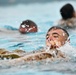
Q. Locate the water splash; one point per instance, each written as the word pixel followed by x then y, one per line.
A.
pixel 68 50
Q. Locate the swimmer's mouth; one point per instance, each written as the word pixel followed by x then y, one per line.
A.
pixel 53 45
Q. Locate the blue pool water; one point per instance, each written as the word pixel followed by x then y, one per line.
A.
pixel 44 15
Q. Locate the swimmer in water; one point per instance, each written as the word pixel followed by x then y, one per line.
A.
pixel 68 15
pixel 55 38
pixel 28 26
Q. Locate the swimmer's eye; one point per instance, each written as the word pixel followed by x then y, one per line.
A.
pixel 55 36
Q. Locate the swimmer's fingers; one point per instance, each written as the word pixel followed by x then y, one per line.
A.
pixel 57 43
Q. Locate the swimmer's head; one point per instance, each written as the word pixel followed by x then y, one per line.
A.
pixel 28 26
pixel 56 37
pixel 67 11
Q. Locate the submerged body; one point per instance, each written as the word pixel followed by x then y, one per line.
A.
pixel 68 15
pixel 67 24
pixel 42 54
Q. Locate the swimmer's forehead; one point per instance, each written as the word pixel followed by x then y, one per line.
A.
pixel 58 31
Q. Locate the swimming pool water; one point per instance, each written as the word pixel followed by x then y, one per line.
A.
pixel 44 15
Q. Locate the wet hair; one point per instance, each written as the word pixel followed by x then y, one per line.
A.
pixel 67 11
pixel 28 22
pixel 56 27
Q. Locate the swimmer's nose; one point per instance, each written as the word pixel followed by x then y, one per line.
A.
pixel 50 39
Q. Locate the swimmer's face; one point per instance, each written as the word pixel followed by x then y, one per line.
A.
pixel 55 38
pixel 27 28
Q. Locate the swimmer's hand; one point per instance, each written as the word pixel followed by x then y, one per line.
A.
pixel 53 44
